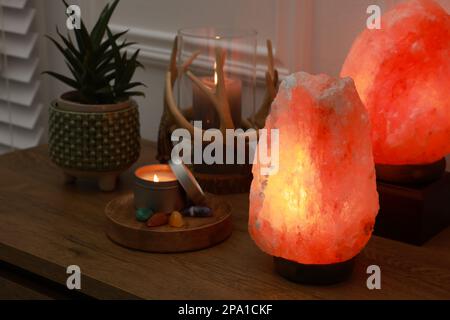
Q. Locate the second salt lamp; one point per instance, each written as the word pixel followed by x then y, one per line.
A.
pixel 317 213
pixel 401 72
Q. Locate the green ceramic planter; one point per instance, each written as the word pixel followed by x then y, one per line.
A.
pixel 98 141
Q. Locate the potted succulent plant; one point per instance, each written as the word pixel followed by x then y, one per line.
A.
pixel 94 129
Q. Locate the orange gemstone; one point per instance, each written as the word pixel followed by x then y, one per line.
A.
pixel 157 220
pixel 176 220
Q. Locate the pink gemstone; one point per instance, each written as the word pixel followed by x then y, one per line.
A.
pixel 402 73
pixel 320 207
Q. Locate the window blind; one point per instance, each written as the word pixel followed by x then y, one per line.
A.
pixel 20 105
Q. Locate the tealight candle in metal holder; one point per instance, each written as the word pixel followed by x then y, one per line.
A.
pixel 157 188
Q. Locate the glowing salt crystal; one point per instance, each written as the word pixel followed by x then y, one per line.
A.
pixel 320 207
pixel 402 74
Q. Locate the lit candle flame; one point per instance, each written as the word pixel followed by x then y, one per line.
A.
pixel 215 74
pixel 155 178
pixel 215 67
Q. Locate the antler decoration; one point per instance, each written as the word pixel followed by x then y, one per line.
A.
pixel 173 117
pixel 167 124
pixel 219 97
pixel 259 119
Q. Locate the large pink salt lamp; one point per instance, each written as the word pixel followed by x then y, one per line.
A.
pixel 402 74
pixel 319 209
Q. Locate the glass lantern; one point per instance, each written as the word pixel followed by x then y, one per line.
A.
pixel 239 48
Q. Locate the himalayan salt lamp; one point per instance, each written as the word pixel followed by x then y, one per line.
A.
pixel 402 73
pixel 317 213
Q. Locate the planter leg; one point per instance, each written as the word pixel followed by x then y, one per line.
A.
pixel 69 179
pixel 107 182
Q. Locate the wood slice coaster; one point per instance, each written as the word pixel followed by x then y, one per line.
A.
pixel 222 184
pixel 198 233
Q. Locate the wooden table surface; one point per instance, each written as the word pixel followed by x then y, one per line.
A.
pixel 46 226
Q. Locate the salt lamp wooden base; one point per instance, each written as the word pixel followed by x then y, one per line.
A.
pixel 327 274
pixel 198 233
pixel 413 214
pixel 411 174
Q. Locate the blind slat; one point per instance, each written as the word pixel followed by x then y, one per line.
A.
pixel 17 21
pixel 22 138
pixel 20 46
pixel 19 93
pixel 20 106
pixel 16 4
pixel 24 117
pixel 21 70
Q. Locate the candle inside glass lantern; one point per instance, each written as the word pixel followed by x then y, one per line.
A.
pixel 204 108
pixel 157 188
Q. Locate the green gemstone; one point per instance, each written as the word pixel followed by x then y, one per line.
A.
pixel 143 214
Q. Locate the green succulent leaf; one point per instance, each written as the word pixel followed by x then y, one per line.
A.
pixel 70 82
pixel 69 44
pixel 98 32
pixel 134 94
pixel 101 69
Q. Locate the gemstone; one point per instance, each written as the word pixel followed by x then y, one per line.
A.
pixel 143 214
pixel 199 212
pixel 176 220
pixel 158 219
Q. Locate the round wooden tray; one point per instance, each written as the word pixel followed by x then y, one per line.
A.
pixel 199 233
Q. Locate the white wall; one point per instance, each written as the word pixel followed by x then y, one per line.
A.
pixel 336 24
pixel 310 35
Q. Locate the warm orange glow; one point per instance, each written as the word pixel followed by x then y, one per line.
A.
pixel 215 74
pixel 156 173
pixel 402 75
pixel 321 206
